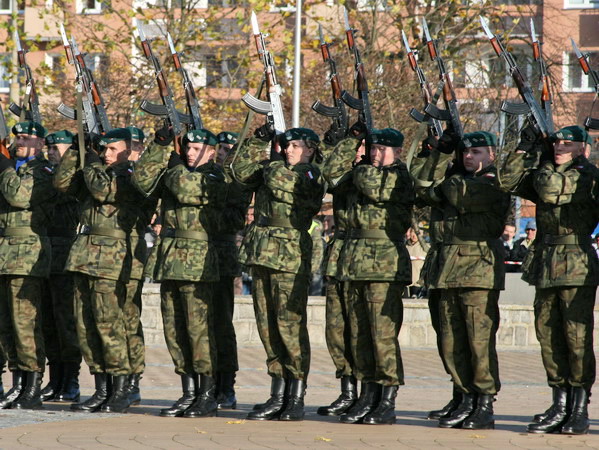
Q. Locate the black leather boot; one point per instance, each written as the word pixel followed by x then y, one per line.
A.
pixel 188 383
pixel 578 423
pixel 205 403
pixel 554 417
pixel 384 413
pixel 370 396
pixel 482 417
pixel 69 391
pixel 447 409
pixel 118 402
pixel 2 364
pixel 18 382
pixel 133 388
pixel 349 395
pixel 226 391
pixel 99 397
pixel 461 413
pixel 55 383
pixel 31 397
pixel 294 408
pixel 274 405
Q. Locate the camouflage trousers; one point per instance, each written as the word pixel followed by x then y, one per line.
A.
pixel 223 302
pixel 135 334
pixel 434 298
pixel 376 315
pixel 564 326
pixel 59 324
pixel 337 331
pixel 101 327
pixel 280 301
pixel 469 320
pixel 188 317
pixel 21 335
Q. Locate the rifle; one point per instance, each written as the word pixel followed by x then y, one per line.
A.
pixel 92 105
pixel 4 133
pixel 338 111
pixel 361 104
pixel 451 113
pixel 174 117
pixel 31 99
pixel 433 124
pixel 583 59
pixel 535 114
pixel 272 109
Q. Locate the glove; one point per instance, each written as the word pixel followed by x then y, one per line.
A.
pixel 175 160
pixel 265 132
pixel 5 163
pixel 430 143
pixel 334 135
pixel 358 130
pixel 92 157
pixel 448 142
pixel 164 136
pixel 530 139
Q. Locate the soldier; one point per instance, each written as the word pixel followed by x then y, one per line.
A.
pixel 231 222
pixel 101 258
pixel 193 192
pixel 26 205
pixel 562 266
pixel 59 325
pixel 289 193
pixel 471 271
pixel 376 263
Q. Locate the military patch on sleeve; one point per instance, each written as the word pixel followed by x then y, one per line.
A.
pixel 489 175
pixel 309 174
pixel 49 169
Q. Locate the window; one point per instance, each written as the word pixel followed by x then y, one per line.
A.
pixel 580 4
pixel 222 72
pixel 575 79
pixel 89 6
pixel 369 5
pixel 55 64
pixel 95 62
pixel 5 6
pixel 4 72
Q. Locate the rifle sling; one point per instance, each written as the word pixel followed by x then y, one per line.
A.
pixel 80 136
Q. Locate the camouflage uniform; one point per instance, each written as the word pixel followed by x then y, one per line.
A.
pixel 470 270
pixel 561 263
pixel 26 204
pixel 186 260
pixel 101 258
pixel 374 260
pixel 278 250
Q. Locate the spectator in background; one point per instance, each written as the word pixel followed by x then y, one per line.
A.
pixel 417 255
pixel 596 243
pixel 521 247
pixel 507 238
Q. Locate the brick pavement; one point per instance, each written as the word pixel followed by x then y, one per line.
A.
pixel 524 393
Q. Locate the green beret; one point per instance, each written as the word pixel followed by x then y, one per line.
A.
pixel 478 139
pixel 295 134
pixel 31 128
pixel 136 134
pixel 201 136
pixel 60 137
pixel 115 135
pixel 571 133
pixel 388 137
pixel 227 137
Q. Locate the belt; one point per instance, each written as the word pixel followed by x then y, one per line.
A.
pixel 19 232
pixel 466 241
pixel 339 234
pixel 274 222
pixel 184 234
pixel 358 233
pixel 568 239
pixel 103 231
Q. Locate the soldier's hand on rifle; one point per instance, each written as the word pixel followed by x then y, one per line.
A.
pixel 91 157
pixel 175 160
pixel 5 163
pixel 448 142
pixel 358 130
pixel 265 132
pixel 530 139
pixel 164 136
pixel 334 135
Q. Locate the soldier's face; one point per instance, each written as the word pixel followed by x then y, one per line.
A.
pixel 565 151
pixel 221 153
pixel 56 152
pixel 116 153
pixel 382 155
pixel 298 152
pixel 477 158
pixel 27 145
pixel 199 153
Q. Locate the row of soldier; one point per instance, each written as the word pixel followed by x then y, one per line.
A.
pixel 202 207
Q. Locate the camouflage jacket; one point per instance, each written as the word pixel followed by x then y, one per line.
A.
pixel 567 212
pixel 379 211
pixel 26 204
pixel 108 239
pixel 287 197
pixel 191 207
pixel 474 214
